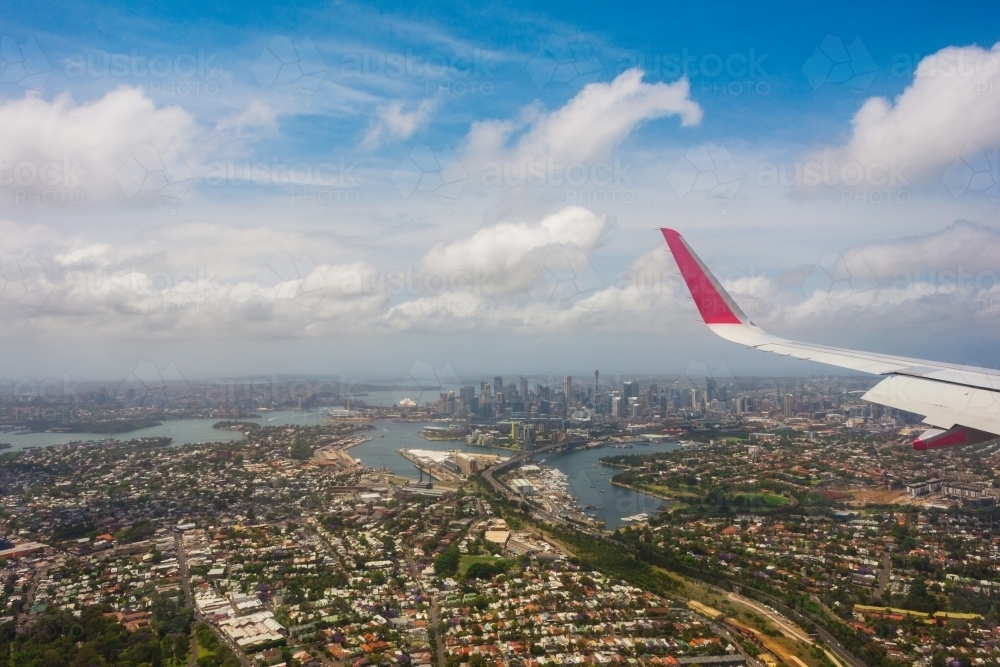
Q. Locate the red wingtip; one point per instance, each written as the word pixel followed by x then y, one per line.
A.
pixel 713 303
pixel 953 437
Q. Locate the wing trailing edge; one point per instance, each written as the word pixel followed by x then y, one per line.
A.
pixel 962 403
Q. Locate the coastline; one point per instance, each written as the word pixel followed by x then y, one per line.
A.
pixel 659 496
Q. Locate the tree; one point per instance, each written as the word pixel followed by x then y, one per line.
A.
pixel 446 564
pixel 301 450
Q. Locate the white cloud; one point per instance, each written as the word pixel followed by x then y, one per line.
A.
pixel 115 146
pixel 392 123
pixel 95 254
pixel 508 256
pixel 937 281
pixel 61 144
pixel 587 127
pixel 200 281
pixel 952 102
pixel 647 298
pixel 244 127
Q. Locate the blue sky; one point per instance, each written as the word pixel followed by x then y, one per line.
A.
pixel 236 189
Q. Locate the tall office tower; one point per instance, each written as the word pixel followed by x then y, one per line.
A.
pixel 484 393
pixel 522 385
pixel 723 394
pixel 788 405
pixel 597 392
pixel 694 399
pixel 629 389
pixel 616 407
pixel 710 388
pixel 497 384
pixel 568 388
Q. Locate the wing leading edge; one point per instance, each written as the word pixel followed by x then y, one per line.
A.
pixel 962 403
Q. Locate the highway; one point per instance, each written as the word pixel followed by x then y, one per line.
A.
pixel 781 621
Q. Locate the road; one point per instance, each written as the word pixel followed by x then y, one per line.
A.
pixel 787 628
pixel 182 570
pixel 503 490
pixel 434 618
pixel 842 653
pixel 883 574
pixel 29 595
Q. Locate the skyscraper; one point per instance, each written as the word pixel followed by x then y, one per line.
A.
pixel 597 391
pixel 523 388
pixel 497 385
pixel 468 396
pixel 629 389
pixel 568 388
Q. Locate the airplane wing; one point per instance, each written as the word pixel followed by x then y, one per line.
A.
pixel 962 403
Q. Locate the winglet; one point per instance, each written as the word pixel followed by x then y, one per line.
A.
pixel 714 304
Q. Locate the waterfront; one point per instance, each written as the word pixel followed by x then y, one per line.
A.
pixel 590 483
pixel 381 452
pixel 183 431
pixel 586 482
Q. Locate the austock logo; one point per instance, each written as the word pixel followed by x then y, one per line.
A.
pixel 424 170
pixel 23 64
pixel 149 170
pixel 284 279
pixel 835 62
pixel 151 386
pixel 423 382
pixel 975 170
pixel 565 277
pixel 709 169
pixel 22 280
pixel 838 282
pixel 58 181
pixel 564 61
pixel 285 63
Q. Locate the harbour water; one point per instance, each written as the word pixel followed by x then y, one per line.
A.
pixel 183 431
pixel 589 481
pixel 380 452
